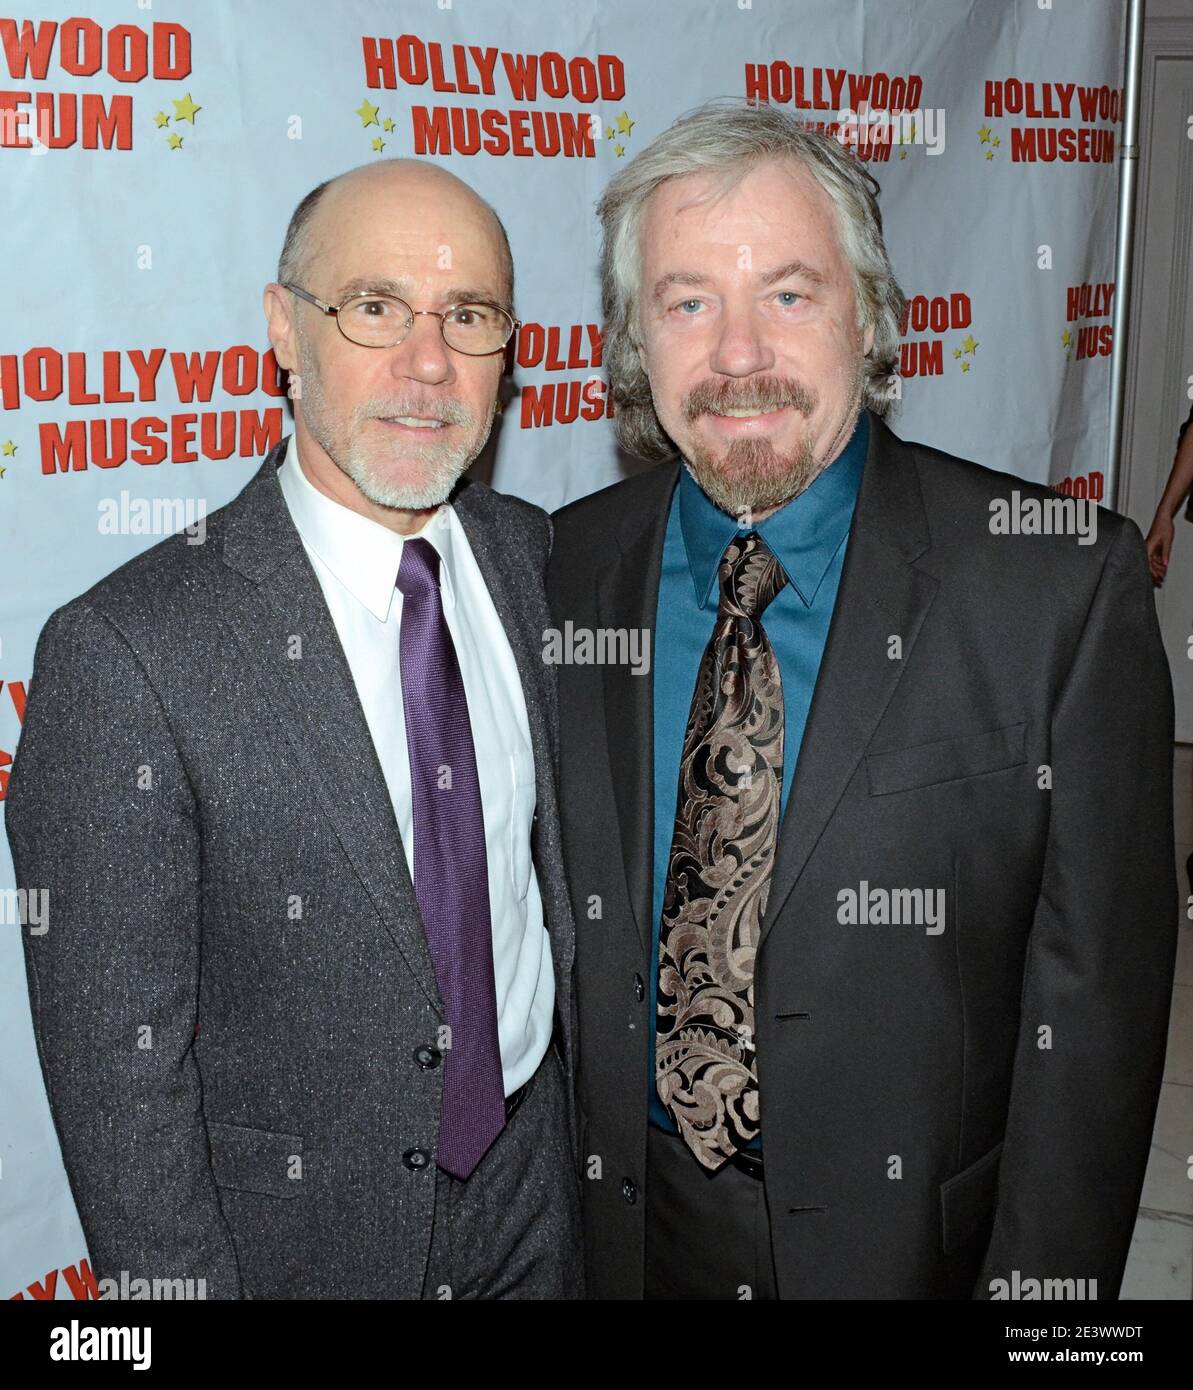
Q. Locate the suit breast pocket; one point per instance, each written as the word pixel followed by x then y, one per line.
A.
pixel 946 760
pixel 255 1160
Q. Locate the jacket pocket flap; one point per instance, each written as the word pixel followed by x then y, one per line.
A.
pixel 967 1198
pixel 254 1160
pixel 946 760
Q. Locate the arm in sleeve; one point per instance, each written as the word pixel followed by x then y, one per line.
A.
pixel 1099 966
pixel 101 816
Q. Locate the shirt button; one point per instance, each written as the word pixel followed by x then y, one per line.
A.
pixel 427 1057
pixel 639 989
pixel 629 1191
pixel 416 1159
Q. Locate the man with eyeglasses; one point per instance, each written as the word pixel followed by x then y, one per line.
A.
pixel 305 1009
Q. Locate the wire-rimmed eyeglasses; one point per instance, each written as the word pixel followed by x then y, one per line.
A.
pixel 373 319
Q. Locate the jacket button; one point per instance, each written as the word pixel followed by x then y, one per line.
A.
pixel 629 1191
pixel 639 989
pixel 416 1159
pixel 427 1057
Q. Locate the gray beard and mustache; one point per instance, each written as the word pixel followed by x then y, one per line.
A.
pixel 750 475
pixel 377 465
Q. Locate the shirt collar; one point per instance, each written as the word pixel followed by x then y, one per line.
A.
pixel 803 535
pixel 363 554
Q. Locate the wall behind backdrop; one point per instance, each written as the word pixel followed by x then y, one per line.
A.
pixel 151 153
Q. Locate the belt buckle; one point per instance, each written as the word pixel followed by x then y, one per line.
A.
pixel 514 1099
pixel 748 1162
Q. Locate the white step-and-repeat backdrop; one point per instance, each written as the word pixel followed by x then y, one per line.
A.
pixel 151 153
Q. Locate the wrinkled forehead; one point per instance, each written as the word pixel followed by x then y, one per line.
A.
pixel 416 224
pixel 767 204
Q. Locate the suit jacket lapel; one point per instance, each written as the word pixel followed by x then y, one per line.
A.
pixel 881 595
pixel 627 597
pixel 319 711
pixel 502 567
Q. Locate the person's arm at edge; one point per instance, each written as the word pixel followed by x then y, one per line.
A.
pixel 1099 967
pixel 101 815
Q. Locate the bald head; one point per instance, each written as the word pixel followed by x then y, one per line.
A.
pixel 387 192
pixel 386 430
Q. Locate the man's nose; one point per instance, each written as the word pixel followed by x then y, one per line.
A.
pixel 422 355
pixel 742 344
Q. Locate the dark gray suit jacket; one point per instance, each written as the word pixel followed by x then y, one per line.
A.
pixel 1016 1148
pixel 185 782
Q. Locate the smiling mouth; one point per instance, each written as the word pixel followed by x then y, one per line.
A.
pixel 747 414
pixel 414 422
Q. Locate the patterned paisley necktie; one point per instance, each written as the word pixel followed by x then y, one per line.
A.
pixel 719 871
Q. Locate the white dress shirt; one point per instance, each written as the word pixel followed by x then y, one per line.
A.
pixel 356 560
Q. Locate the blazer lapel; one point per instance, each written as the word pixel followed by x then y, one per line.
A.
pixel 627 597
pixel 319 711
pixel 500 566
pixel 881 595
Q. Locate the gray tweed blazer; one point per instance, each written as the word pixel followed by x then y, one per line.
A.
pixel 234 981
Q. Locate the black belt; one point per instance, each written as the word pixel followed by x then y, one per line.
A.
pixel 747 1160
pixel 515 1098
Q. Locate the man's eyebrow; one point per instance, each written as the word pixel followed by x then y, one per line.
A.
pixel 793 270
pixel 465 294
pixel 677 277
pixel 790 270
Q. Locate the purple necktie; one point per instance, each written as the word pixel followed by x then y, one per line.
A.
pixel 451 876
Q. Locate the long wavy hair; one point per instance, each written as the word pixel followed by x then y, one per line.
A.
pixel 729 140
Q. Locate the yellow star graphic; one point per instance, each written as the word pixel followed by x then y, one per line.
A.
pixel 378 143
pixel 619 150
pixel 609 132
pixel 161 119
pixel 185 109
pixel 956 352
pixel 1066 338
pixel 965 366
pixel 175 141
pixel 8 448
pixel 624 124
pixel 969 344
pixel 989 154
pixel 984 134
pixel 996 141
pixel 367 114
pixel 387 124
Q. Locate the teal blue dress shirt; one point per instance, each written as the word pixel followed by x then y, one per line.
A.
pixel 807 536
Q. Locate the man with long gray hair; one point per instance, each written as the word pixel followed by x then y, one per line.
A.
pixel 874 870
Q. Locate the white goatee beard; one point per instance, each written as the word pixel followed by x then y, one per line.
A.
pixel 429 491
pixel 361 463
